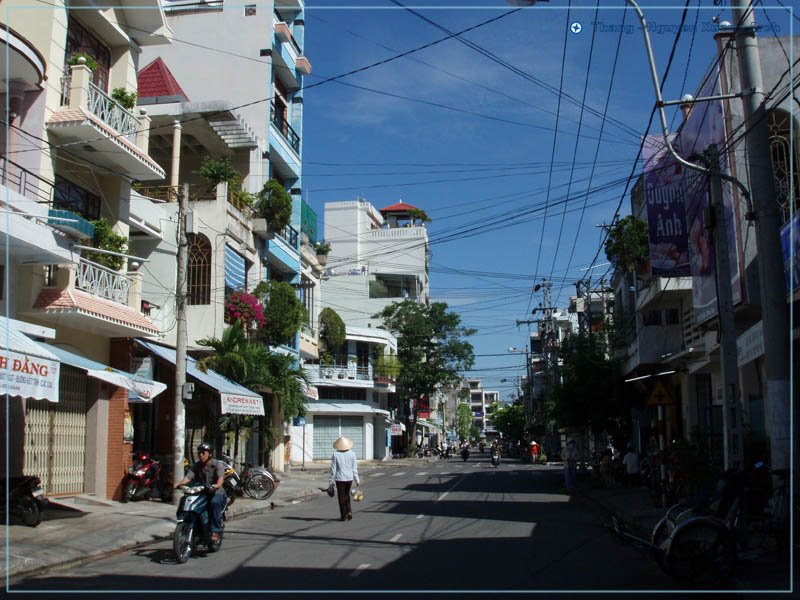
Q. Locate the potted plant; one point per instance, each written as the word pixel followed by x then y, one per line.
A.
pixel 217 170
pixel 326 364
pixel 106 239
pixel 275 205
pixel 124 98
pixel 322 249
pixel 89 61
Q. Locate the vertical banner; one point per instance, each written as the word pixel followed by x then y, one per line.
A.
pixel 790 244
pixel 666 211
pixel 706 126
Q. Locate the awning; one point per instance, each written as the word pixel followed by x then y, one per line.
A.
pixel 235 398
pixel 235 269
pixel 343 407
pixel 27 368
pixel 144 389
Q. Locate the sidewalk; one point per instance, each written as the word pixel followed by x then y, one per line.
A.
pixel 82 528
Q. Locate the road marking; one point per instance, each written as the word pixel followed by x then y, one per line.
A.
pixel 422 474
pixel 360 568
pixel 398 474
pixel 375 474
pixel 476 465
pixel 442 496
pixel 396 537
pixel 420 516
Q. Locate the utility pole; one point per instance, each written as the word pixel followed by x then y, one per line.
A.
pixel 774 312
pixel 733 444
pixel 179 438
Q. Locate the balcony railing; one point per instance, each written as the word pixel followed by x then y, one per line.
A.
pixel 105 108
pixel 290 235
pixel 165 193
pixel 283 126
pixel 102 281
pixel 25 182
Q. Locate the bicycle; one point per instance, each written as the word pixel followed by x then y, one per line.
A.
pixel 258 482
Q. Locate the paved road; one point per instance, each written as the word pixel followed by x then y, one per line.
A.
pixel 450 525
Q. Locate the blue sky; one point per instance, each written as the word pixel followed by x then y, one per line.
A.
pixel 484 145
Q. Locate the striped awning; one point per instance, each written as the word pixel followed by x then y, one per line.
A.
pixel 235 269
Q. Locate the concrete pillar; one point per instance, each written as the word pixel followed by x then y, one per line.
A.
pixel 175 168
pixel 143 135
pixel 79 85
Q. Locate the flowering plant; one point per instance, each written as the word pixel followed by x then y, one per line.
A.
pixel 245 308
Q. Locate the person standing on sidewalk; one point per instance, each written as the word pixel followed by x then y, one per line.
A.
pixel 570 457
pixel 344 470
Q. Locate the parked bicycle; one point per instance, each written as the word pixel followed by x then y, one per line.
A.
pixel 258 482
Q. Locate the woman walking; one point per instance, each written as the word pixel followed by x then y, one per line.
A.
pixel 344 470
pixel 570 457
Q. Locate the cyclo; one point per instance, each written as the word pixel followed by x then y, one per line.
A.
pixel 738 518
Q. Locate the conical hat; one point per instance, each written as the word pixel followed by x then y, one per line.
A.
pixel 343 444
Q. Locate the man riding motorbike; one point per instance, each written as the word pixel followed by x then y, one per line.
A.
pixel 210 472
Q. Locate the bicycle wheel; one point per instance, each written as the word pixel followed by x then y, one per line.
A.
pixel 259 487
pixel 700 553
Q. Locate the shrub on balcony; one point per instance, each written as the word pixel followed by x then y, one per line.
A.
pixel 124 98
pixel 275 205
pixel 90 63
pixel 386 365
pixel 322 248
pixel 217 170
pixel 332 330
pixel 106 239
pixel 286 312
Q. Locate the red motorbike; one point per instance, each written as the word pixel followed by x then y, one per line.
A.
pixel 144 479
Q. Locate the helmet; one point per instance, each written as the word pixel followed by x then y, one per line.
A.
pixel 205 447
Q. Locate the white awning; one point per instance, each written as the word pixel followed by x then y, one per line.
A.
pixel 27 368
pixel 343 407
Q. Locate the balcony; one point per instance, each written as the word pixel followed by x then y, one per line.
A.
pixel 350 375
pixel 92 298
pixel 101 131
pixel 283 127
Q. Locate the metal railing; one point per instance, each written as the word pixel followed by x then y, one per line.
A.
pixel 105 108
pixel 283 126
pixel 25 182
pixel 102 281
pixel 165 193
pixel 290 235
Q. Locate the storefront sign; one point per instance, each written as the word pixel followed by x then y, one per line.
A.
pixel 28 376
pixel 750 345
pixel 242 405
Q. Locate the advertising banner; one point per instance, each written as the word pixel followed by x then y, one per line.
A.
pixel 666 211
pixel 705 126
pixel 28 376
pixel 233 404
pixel 790 245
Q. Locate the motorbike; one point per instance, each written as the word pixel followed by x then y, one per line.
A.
pixel 233 482
pixel 465 453
pixel 194 522
pixel 495 458
pixel 144 479
pixel 26 499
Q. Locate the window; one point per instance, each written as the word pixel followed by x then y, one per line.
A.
pixel 80 39
pixel 249 10
pixel 68 196
pixel 341 393
pixel 780 144
pixel 199 270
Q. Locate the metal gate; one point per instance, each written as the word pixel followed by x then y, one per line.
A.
pixel 55 436
pixel 328 428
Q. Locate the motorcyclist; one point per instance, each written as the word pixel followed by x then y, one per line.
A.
pixel 211 473
pixel 494 450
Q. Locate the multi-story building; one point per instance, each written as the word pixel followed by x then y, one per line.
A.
pixel 353 400
pixel 377 257
pixel 71 145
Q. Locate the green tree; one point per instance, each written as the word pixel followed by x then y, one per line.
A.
pixel 509 420
pixel 463 420
pixel 592 394
pixel 275 205
pixel 627 246
pixel 430 347
pixel 283 310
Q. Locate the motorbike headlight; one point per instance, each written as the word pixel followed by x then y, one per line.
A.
pixel 140 472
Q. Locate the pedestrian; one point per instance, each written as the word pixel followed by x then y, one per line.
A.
pixel 344 470
pixel 534 451
pixel 570 457
pixel 631 462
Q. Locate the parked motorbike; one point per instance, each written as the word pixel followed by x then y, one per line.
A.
pixel 495 458
pixel 465 453
pixel 194 522
pixel 26 499
pixel 233 482
pixel 144 480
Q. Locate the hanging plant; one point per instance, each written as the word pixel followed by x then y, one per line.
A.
pixel 106 239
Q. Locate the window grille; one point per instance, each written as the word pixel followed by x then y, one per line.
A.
pixel 199 270
pixel 780 140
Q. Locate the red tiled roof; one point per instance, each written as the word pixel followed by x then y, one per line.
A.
pixel 156 80
pixel 399 207
pixel 55 300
